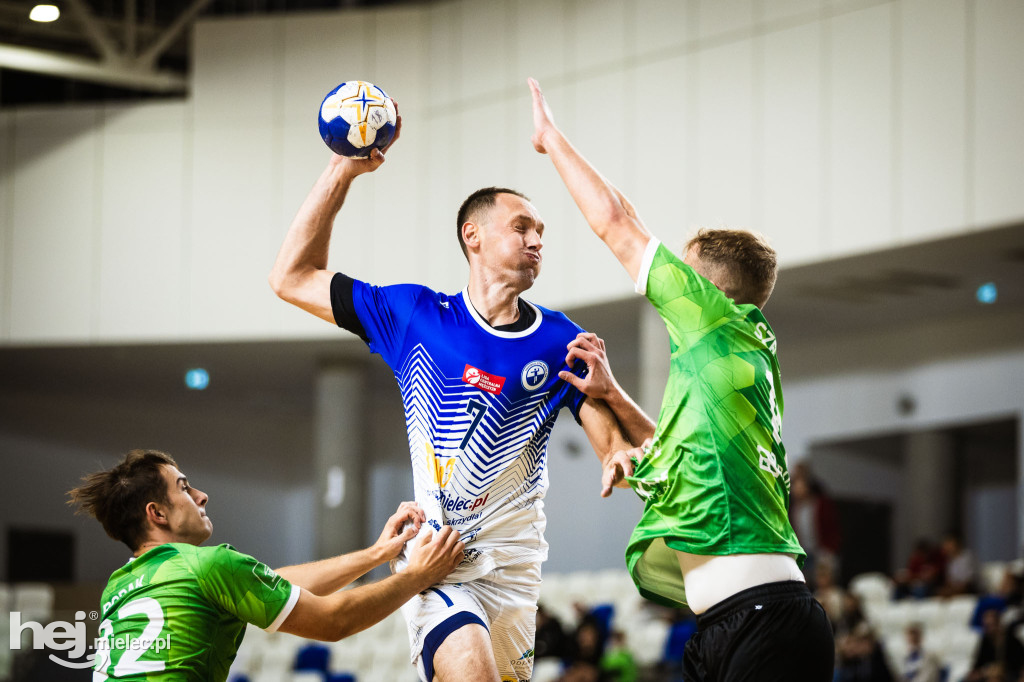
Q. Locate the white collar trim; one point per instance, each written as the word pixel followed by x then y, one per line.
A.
pixel 491 330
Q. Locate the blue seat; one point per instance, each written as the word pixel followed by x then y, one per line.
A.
pixel 315 657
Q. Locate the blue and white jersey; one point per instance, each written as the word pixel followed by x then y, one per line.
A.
pixel 479 407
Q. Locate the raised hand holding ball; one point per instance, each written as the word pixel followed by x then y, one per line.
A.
pixel 357 117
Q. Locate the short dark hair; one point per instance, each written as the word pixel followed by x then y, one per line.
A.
pixel 749 264
pixel 482 199
pixel 117 497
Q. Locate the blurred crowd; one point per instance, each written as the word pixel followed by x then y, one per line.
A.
pixel 592 650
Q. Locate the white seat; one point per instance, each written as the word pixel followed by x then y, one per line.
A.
pixel 991 575
pixel 350 656
pixel 648 642
pixel 892 618
pixel 33 600
pixel 936 638
pixel 895 648
pixel 546 670
pixel 279 651
pixel 872 587
pixel 930 612
pixel 959 670
pixel 961 643
pixel 959 609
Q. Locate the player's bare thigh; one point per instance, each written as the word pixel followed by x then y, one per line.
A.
pixel 466 654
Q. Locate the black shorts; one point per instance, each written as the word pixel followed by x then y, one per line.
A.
pixel 776 631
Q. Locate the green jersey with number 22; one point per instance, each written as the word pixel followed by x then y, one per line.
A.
pixel 179 612
pixel 715 480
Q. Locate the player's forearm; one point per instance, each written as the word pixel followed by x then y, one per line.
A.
pixel 308 241
pixel 330 575
pixel 357 609
pixel 605 208
pixel 633 421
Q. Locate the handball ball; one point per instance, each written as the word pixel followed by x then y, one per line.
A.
pixel 357 117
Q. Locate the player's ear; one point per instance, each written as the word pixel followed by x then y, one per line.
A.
pixel 155 514
pixel 471 234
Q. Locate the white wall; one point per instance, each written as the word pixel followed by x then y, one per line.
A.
pixel 835 126
pixel 258 516
pixel 947 393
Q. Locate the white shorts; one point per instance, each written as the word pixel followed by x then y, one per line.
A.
pixel 504 601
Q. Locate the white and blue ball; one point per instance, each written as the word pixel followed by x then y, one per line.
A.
pixel 357 117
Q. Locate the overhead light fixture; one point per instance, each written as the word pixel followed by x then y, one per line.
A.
pixel 44 13
pixel 987 293
pixel 197 379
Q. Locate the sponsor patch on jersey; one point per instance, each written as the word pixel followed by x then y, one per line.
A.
pixel 454 503
pixel 266 575
pixel 534 375
pixel 482 380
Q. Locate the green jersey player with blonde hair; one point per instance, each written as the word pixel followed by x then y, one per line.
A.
pixel 715 533
pixel 178 611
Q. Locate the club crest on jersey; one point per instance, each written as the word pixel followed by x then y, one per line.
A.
pixel 534 375
pixel 491 383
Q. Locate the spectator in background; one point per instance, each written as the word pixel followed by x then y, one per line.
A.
pixel 851 617
pixel 919 665
pixel 617 664
pixel 550 639
pixel 813 516
pixel 923 574
pixel 1000 655
pixel 831 596
pixel 861 658
pixel 587 648
pixel 961 572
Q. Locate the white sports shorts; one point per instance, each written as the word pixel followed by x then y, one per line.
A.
pixel 504 601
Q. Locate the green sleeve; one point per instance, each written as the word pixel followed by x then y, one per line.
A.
pixel 690 305
pixel 244 587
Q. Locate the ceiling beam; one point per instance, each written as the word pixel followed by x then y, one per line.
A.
pixel 115 74
pixel 183 21
pixel 94 30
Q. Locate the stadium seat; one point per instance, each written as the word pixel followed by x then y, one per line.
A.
pixel 546 670
pixel 930 612
pixel 895 647
pixel 961 644
pixel 990 577
pixel 278 654
pixel 340 677
pixel 648 642
pixel 34 601
pixel 313 657
pixel 960 609
pixel 872 587
pixel 958 671
pixel 305 676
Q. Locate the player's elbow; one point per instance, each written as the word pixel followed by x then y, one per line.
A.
pixel 283 284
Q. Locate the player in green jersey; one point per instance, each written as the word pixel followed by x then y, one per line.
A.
pixel 715 533
pixel 178 611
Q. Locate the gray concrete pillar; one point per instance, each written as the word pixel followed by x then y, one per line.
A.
pixel 338 460
pixel 931 502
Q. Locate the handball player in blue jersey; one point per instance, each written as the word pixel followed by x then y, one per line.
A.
pixel 483 375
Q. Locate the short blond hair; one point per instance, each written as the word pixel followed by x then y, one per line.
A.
pixel 741 263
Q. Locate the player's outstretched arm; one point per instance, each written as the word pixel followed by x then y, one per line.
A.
pixel 345 613
pixel 600 383
pixel 330 575
pixel 609 444
pixel 300 274
pixel 607 211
